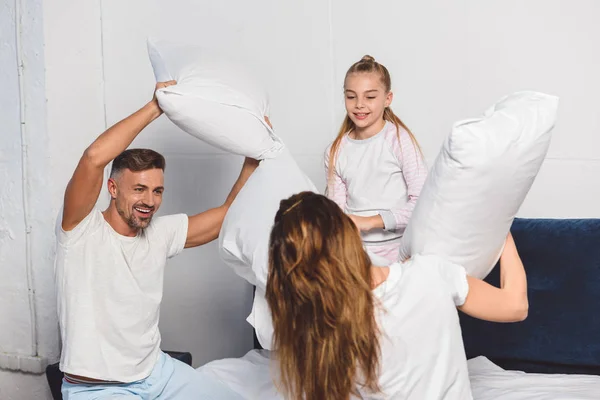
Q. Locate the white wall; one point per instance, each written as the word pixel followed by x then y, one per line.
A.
pixel 449 60
pixel 25 221
pixel 548 46
pixel 12 229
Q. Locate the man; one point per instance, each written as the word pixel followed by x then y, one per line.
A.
pixel 109 272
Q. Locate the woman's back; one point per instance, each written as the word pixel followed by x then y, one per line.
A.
pixel 422 354
pixel 336 337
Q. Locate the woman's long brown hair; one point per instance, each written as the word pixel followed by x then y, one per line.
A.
pixel 319 292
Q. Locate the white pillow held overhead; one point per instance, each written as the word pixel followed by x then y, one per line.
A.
pixel 479 180
pixel 215 99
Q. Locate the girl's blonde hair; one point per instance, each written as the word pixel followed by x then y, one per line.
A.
pixel 367 64
pixel 319 293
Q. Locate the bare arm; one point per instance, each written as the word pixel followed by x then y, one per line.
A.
pixel 365 224
pixel 205 227
pixel 505 304
pixel 85 184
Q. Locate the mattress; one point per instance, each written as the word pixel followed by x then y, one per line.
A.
pixel 251 376
pixel 490 382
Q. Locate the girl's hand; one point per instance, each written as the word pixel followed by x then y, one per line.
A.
pixel 365 224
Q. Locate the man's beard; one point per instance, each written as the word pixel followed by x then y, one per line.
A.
pixel 134 222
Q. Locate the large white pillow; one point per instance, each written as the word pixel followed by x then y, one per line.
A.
pixel 244 236
pixel 479 180
pixel 215 99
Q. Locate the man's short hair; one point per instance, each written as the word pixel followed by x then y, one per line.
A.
pixel 137 160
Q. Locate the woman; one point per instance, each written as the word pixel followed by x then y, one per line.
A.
pixel 345 328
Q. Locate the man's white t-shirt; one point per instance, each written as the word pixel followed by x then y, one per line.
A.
pixel 422 352
pixel 109 290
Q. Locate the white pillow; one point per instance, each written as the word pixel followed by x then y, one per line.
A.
pixel 215 99
pixel 479 180
pixel 244 236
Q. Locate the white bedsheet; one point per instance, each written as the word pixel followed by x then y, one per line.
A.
pixel 251 376
pixel 490 382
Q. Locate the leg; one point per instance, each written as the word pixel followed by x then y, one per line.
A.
pixel 72 391
pixel 184 382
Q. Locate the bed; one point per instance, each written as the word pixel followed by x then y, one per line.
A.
pixel 553 355
pixel 251 375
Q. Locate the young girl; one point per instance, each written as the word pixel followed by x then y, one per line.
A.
pixel 343 327
pixel 375 169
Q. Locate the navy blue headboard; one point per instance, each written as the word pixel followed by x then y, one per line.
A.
pixel 562 332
